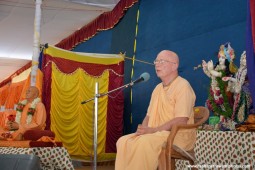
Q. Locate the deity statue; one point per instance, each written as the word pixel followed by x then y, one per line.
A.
pixel 219 99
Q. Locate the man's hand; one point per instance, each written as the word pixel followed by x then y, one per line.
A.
pixel 12 125
pixel 204 64
pixel 210 65
pixel 141 130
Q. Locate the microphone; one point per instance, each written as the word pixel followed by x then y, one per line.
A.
pixel 143 77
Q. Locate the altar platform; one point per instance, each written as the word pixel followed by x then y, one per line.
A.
pixel 223 150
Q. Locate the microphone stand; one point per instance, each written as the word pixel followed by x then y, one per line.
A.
pixel 103 94
pixel 95 125
pixel 95 98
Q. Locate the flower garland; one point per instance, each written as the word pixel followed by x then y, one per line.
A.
pixel 30 111
pixel 221 107
pixel 241 110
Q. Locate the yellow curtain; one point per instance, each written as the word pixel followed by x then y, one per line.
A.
pixel 71 121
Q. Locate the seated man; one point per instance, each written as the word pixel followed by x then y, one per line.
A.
pixel 30 115
pixel 172 103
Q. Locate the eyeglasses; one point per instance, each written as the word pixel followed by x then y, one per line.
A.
pixel 161 61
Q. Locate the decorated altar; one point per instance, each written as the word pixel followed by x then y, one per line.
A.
pixel 228 142
pixel 229 97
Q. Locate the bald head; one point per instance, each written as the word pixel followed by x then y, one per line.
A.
pixel 166 65
pixel 32 93
pixel 170 55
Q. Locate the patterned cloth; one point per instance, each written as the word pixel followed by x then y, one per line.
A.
pixel 50 157
pixel 223 150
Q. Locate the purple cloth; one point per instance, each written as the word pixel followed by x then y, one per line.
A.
pixel 250 56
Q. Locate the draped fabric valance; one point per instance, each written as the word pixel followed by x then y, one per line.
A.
pixel 69 79
pixel 105 21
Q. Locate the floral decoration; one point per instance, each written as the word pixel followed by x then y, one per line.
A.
pixel 30 111
pixel 218 101
pixel 21 106
pixel 11 118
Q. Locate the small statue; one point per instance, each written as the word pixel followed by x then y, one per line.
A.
pixel 218 99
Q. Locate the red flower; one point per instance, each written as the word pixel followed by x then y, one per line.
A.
pixel 6 135
pixel 31 111
pixel 217 91
pixel 20 107
pixel 11 118
pixel 209 105
pixel 219 101
pixel 211 91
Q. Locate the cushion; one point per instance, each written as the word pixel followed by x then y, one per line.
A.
pixel 34 135
pixel 45 144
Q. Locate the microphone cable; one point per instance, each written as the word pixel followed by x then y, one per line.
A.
pixel 141 61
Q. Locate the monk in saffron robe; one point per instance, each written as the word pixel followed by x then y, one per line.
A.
pixel 172 103
pixel 31 115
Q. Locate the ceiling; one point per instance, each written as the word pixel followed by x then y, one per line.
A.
pixel 59 19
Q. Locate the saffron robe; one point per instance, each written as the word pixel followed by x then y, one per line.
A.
pixel 141 152
pixel 38 120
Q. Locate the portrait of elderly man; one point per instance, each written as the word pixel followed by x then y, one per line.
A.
pixel 30 115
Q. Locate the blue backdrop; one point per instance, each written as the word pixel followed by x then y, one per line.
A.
pixel 194 29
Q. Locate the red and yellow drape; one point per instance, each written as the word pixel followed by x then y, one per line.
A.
pixel 69 79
